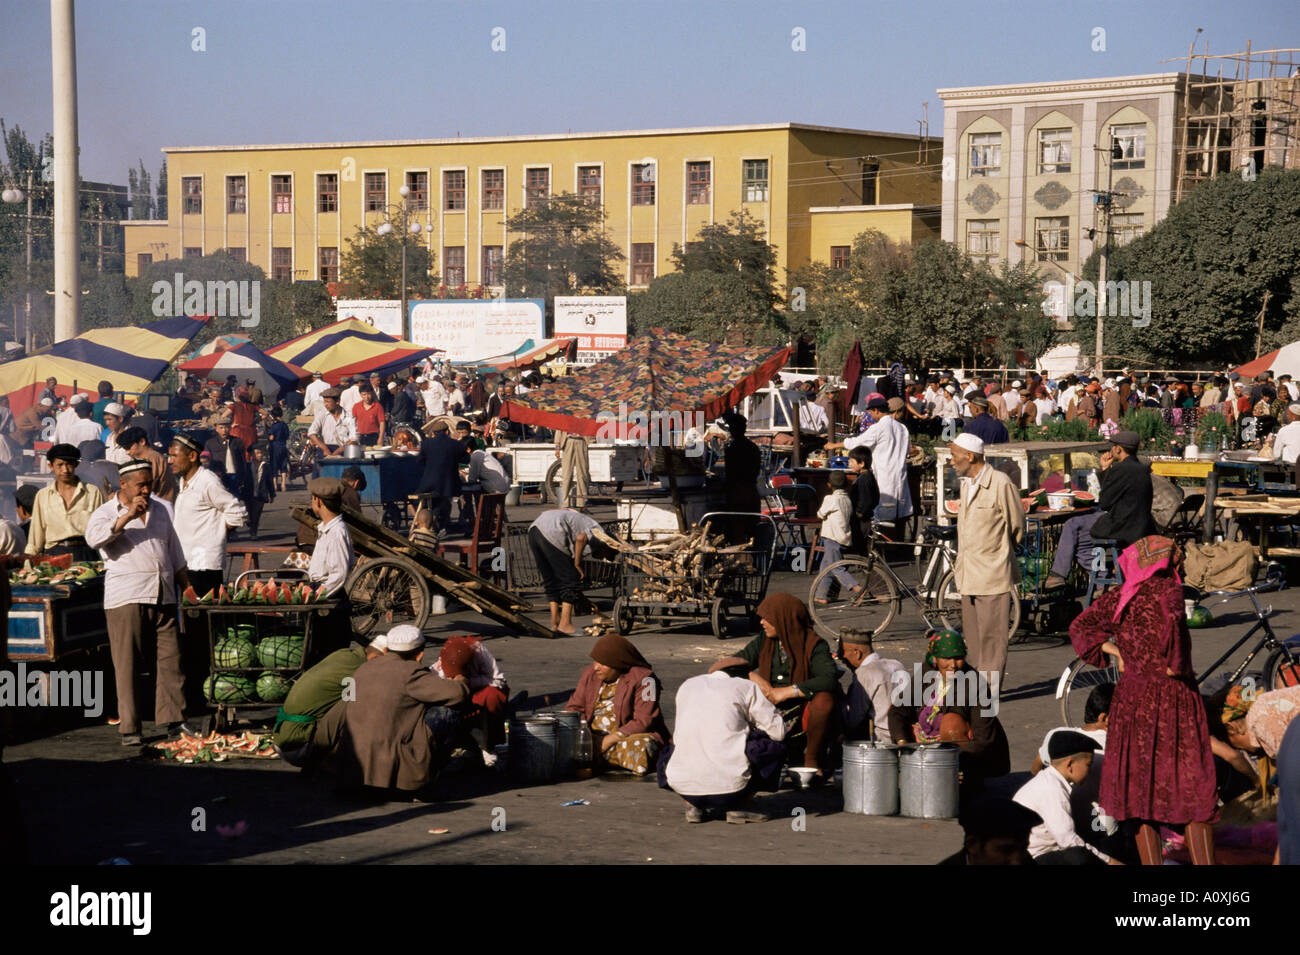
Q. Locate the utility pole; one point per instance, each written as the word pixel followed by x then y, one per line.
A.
pixel 27 303
pixel 100 222
pixel 1259 336
pixel 1105 200
pixel 67 230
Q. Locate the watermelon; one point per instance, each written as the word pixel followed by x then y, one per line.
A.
pixel 272 687
pixel 302 594
pixel 189 597
pixel 234 653
pixel 952 507
pixel 208 597
pixel 1199 617
pixel 321 593
pixel 1084 497
pixel 281 651
pixel 286 594
pixel 241 596
pixel 229 688
pixel 222 596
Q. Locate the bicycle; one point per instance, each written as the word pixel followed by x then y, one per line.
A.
pixel 875 591
pixel 1281 667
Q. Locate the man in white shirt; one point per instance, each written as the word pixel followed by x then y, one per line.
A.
pixel 143 567
pixel 1011 398
pixel 1055 841
pixel 435 398
pixel 890 445
pixel 84 427
pixel 332 559
pixel 114 416
pixel 350 395
pixel 1286 443
pixel 873 688
pixel 314 390
pixel 812 417
pixel 726 745
pixel 332 428
pixel 65 419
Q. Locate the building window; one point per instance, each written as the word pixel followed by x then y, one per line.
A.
pixel 699 179
pixel 537 188
pixel 984 240
pixel 870 183
pixel 193 252
pixel 493 256
pixel 839 256
pixel 417 191
pixel 985 154
pixel 1125 227
pixel 643 263
pixel 1132 141
pixel 494 189
pixel 192 193
pixel 754 173
pixel 142 261
pixel 1054 150
pixel 453 271
pixel 327 192
pixel 236 195
pixel 376 191
pixel 282 195
pixel 1052 238
pixel 643 184
pixel 282 264
pixel 453 190
pixel 329 265
pixel 238 252
pixel 589 183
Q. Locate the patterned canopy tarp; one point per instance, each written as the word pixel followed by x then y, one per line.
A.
pixel 244 362
pixel 350 347
pixel 659 373
pixel 527 355
pixel 220 343
pixel 131 357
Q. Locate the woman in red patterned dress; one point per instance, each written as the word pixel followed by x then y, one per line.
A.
pixel 1158 768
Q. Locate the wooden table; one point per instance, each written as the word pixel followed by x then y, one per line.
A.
pixel 1263 512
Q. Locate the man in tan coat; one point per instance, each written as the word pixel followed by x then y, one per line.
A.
pixel 990 523
pixel 387 739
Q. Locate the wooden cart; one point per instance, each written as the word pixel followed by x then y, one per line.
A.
pixel 395 583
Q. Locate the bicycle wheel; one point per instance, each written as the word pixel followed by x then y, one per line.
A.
pixel 1076 683
pixel 869 604
pixel 1281 671
pixel 947 606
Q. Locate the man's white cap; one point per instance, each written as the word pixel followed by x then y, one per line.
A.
pixel 950 389
pixel 1017 384
pixel 421 380
pixel 405 637
pixel 1294 408
pixel 76 399
pixel 380 642
pixel 47 403
pixel 392 386
pixel 115 409
pixel 970 442
pixel 1109 383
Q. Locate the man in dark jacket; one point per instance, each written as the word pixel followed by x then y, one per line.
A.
pixel 440 459
pixel 1125 509
pixel 983 425
pixel 403 411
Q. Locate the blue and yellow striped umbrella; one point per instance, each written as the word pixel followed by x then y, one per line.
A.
pixel 131 357
pixel 350 347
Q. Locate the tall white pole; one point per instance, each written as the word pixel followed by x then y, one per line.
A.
pixel 67 227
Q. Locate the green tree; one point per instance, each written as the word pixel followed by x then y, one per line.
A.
pixel 559 247
pixel 160 206
pixel 1016 314
pixel 711 306
pixel 371 267
pixel 738 246
pixel 140 189
pixel 1210 262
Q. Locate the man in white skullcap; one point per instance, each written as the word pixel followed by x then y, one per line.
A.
pixel 1286 443
pixel 397 729
pixel 990 524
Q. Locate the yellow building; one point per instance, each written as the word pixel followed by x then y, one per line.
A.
pixel 291 208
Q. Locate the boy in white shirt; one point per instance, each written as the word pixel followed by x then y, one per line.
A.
pixel 836 515
pixel 1055 841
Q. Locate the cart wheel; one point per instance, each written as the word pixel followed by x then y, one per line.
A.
pixel 551 485
pixel 386 592
pixel 718 618
pixel 623 618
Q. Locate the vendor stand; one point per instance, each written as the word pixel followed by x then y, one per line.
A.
pixel 50 622
pixel 392 476
pixel 615 463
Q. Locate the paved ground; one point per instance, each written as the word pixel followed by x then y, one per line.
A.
pixel 85 800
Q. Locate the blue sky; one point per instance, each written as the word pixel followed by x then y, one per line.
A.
pixel 279 71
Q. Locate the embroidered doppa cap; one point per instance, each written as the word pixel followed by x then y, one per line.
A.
pixel 405 637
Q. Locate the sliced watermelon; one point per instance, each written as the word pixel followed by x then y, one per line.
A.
pixel 241 596
pixel 286 594
pixel 952 507
pixel 1085 496
pixel 321 593
pixel 222 596
pixel 259 593
pixel 209 597
pixel 189 597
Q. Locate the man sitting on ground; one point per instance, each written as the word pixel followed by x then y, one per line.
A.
pixel 483 716
pixel 866 705
pixel 1055 840
pixel 310 721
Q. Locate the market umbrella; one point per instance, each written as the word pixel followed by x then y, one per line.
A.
pixel 1283 361
pixel 350 347
pixel 527 355
pixel 220 343
pixel 244 362
pixel 131 357
pixel 660 374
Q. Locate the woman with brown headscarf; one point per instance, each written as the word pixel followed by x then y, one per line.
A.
pixel 794 668
pixel 618 696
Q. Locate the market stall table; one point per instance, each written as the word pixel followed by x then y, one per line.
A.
pixel 1262 513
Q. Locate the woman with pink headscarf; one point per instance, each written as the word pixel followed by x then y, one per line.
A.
pixel 1159 768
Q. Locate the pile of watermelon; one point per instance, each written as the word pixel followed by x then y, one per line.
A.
pixel 268 592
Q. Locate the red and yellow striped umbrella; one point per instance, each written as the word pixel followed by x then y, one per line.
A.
pixel 350 347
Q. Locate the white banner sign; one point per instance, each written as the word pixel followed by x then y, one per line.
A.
pixel 599 323
pixel 384 314
pixel 471 329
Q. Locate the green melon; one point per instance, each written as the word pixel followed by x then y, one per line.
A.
pixel 281 651
pixel 234 653
pixel 272 687
pixel 228 688
pixel 1199 617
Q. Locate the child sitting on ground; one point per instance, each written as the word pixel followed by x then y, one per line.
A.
pixel 836 514
pixel 1056 841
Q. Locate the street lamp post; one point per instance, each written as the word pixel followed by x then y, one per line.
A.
pixel 408 229
pixel 1105 200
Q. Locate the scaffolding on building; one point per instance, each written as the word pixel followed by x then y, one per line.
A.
pixel 1240 113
